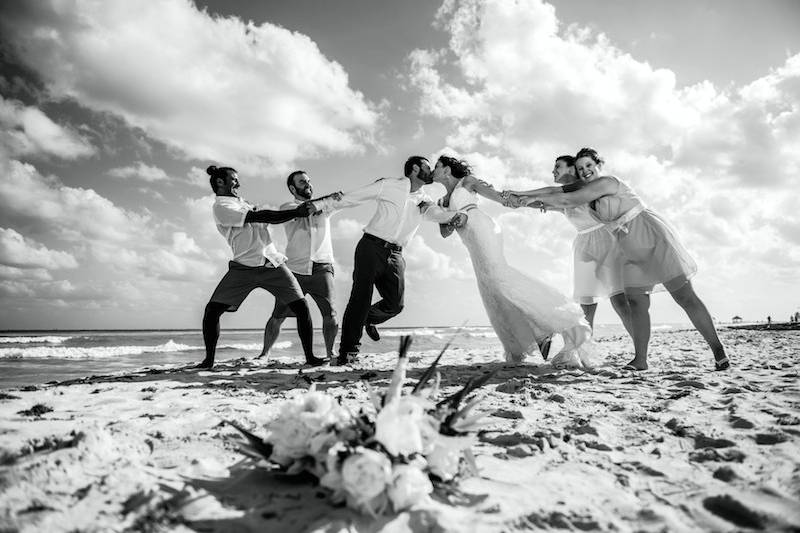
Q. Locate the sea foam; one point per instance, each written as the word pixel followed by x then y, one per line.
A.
pixel 45 339
pixel 106 352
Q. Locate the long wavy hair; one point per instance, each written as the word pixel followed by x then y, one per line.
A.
pixel 458 167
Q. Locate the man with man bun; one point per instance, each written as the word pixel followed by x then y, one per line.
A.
pixel 256 263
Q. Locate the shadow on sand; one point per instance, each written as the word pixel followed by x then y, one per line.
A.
pixel 276 377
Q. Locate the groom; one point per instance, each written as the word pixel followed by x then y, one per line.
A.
pixel 378 262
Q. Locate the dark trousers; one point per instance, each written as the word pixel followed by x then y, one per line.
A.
pixel 383 268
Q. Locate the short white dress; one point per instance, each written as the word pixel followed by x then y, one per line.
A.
pixel 651 254
pixel 596 259
pixel 522 310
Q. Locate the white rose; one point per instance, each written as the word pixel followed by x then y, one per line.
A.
pixel 290 440
pixel 332 478
pixel 365 474
pixel 293 433
pixel 410 486
pixel 398 425
pixel 319 410
pixel 445 457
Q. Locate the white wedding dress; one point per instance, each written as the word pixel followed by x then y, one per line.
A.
pixel 523 310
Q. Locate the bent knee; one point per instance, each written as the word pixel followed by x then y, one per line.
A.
pixel 685 298
pixel 638 301
pixel 215 309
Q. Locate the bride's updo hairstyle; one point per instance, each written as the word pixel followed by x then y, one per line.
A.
pixel 214 173
pixel 458 168
pixel 592 153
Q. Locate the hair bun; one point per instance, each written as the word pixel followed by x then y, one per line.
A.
pixel 211 170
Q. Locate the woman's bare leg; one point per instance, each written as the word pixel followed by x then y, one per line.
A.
pixel 639 305
pixel 700 317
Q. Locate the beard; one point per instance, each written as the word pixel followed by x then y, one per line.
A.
pixel 427 179
pixel 306 193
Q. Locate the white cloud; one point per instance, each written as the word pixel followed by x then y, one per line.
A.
pixel 140 171
pixel 15 273
pixel 347 228
pixel 424 262
pixel 17 251
pixel 198 177
pixel 514 82
pixel 216 88
pixel 162 260
pixel 36 205
pixel 26 130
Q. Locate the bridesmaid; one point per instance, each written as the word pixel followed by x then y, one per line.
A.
pixel 596 272
pixel 651 253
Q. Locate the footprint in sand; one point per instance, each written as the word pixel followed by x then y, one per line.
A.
pixel 703 441
pixel 690 383
pixel 506 413
pixel 725 473
pixel 711 454
pixel 771 438
pixel 787 420
pixel 731 390
pixel 741 423
pixel 557 520
pixel 733 511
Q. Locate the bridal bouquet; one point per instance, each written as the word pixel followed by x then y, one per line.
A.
pixel 388 455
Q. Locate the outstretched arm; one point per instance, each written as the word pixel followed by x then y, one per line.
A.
pixel 268 216
pixel 537 192
pixel 591 191
pixel 485 189
pixel 339 200
pixel 569 187
pixel 328 204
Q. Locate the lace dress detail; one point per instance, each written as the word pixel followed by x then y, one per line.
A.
pixel 522 309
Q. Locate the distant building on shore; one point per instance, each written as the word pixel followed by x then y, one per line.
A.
pixel 736 320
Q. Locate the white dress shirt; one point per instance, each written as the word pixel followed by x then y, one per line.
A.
pixel 251 243
pixel 308 240
pixel 399 211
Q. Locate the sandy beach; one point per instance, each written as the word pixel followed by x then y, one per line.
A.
pixel 676 448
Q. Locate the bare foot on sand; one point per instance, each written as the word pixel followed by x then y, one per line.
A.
pixel 315 361
pixel 206 364
pixel 636 365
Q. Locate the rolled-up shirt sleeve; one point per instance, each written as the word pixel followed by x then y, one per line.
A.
pixel 230 214
pixel 431 211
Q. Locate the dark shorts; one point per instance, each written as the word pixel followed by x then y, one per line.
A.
pixel 240 280
pixel 319 284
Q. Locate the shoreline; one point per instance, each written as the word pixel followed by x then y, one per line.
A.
pixel 158 330
pixel 775 326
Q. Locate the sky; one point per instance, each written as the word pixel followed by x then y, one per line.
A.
pixel 110 111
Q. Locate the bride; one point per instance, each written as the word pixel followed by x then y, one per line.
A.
pixel 524 312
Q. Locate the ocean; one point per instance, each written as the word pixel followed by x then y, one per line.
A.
pixel 30 358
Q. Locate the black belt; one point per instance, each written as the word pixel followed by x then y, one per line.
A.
pixel 386 244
